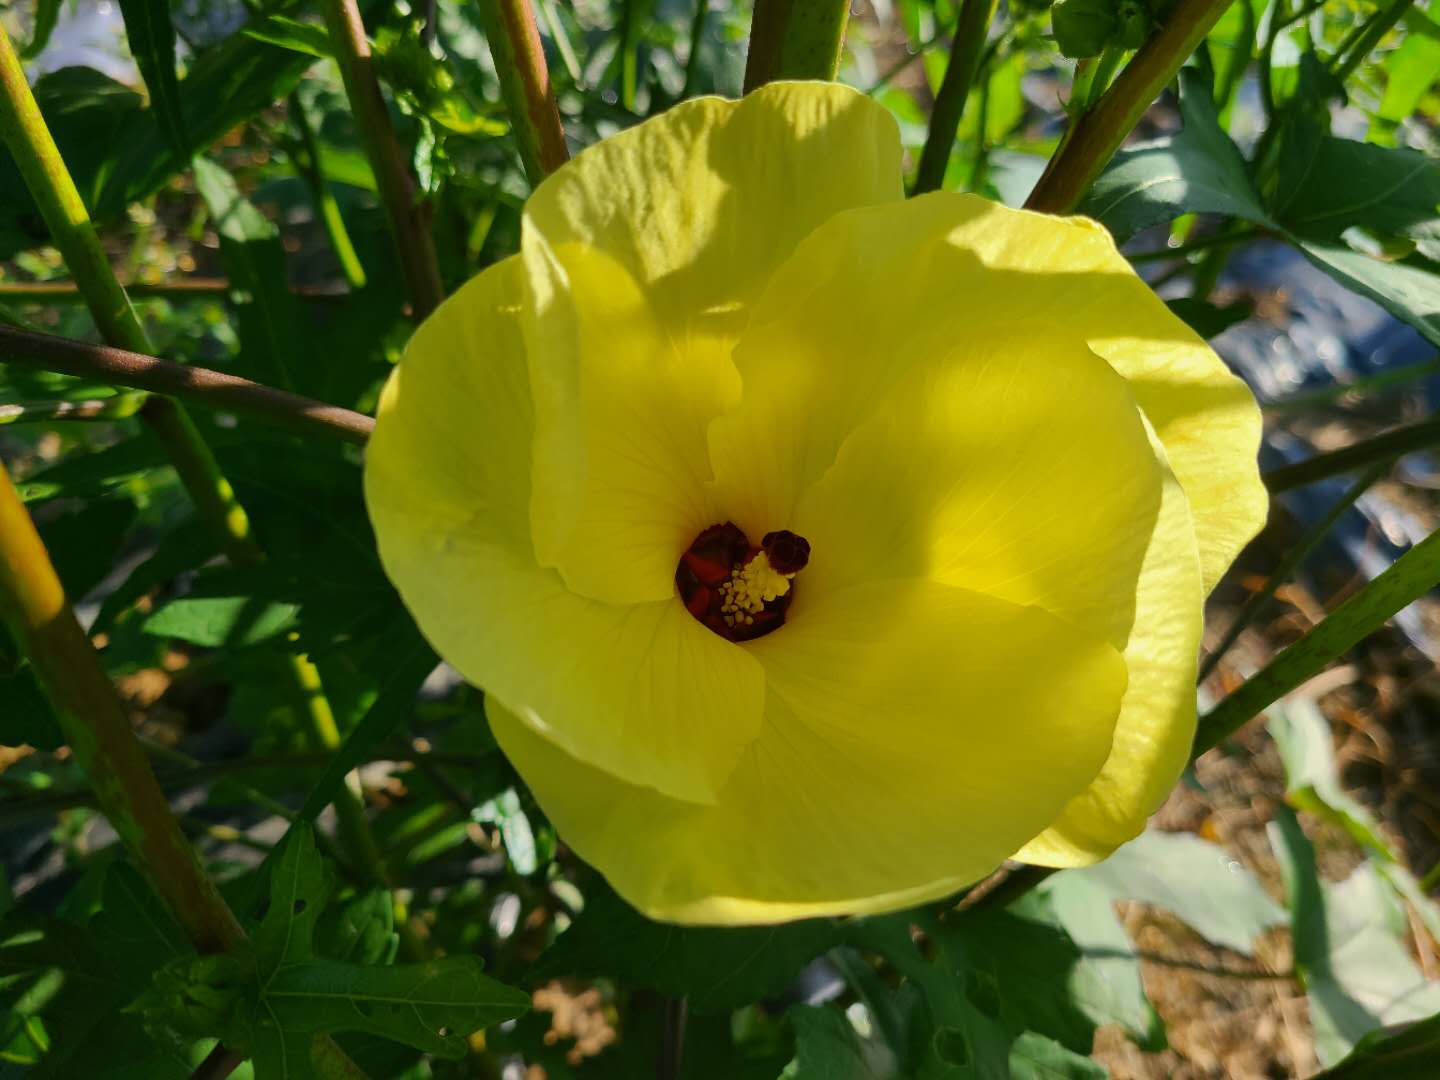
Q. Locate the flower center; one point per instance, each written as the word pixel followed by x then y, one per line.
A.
pixel 739 591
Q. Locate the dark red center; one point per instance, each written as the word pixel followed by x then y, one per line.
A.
pixel 709 564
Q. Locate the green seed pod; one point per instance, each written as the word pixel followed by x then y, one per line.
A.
pixel 194 996
pixel 1083 27
pixel 1132 23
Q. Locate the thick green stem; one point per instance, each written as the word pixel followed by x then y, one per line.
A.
pixel 24 131
pixel 409 218
pixel 525 82
pixel 1099 133
pixel 33 604
pixel 795 39
pixel 203 387
pixel 965 53
pixel 1378 25
pixel 312 170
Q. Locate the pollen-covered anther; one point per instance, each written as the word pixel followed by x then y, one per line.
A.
pixel 738 591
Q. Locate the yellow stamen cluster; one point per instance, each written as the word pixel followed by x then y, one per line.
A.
pixel 749 589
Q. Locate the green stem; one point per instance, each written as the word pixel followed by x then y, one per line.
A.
pixel 1308 399
pixel 1386 447
pixel 1375 28
pixel 355 833
pixel 45 412
pixel 630 20
pixel 409 217
pixel 965 53
pixel 97 730
pixel 525 82
pixel 692 58
pixel 23 129
pixel 1296 555
pixel 196 288
pixel 795 39
pixel 312 170
pixel 900 65
pixel 205 388
pixel 562 42
pixel 1099 133
pixel 1410 577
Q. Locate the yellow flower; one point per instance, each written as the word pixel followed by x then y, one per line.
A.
pixel 596 470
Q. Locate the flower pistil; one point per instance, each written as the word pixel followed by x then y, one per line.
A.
pixel 740 591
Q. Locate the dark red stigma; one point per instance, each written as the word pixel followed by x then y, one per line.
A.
pixel 709 563
pixel 787 552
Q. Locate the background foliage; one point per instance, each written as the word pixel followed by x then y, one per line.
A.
pixel 374 843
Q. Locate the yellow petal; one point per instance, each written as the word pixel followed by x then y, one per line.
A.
pixel 1015 464
pixel 641 690
pixel 1157 715
pixel 1206 418
pixel 621 409
pixel 644 254
pixel 943 268
pixel 907 746
pixel 702 202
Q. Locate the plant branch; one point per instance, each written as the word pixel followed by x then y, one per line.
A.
pixel 965 53
pixel 795 39
pixel 206 388
pixel 90 713
pixel 23 130
pixel 312 170
pixel 1098 134
pixel 1382 448
pixel 409 218
pixel 1346 61
pixel 525 81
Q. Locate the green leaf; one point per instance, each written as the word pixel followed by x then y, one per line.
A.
pixel 1349 948
pixel 299 887
pixel 1312 784
pixel 84 541
pixel 133 929
pixel 292 34
pixel 1408 290
pixel 1106 983
pixel 47 14
pixel 505 811
pixel 716 968
pixel 152 43
pixel 1326 185
pixel 1195 880
pixel 1406 1053
pixel 117 152
pixel 959 1032
pixel 1034 1057
pixel 274 344
pixel 430 1006
pixel 1412 69
pixel 1197 170
pixel 1411 576
pixel 362 930
pixel 1207 319
pixel 215 621
pixel 826 1047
